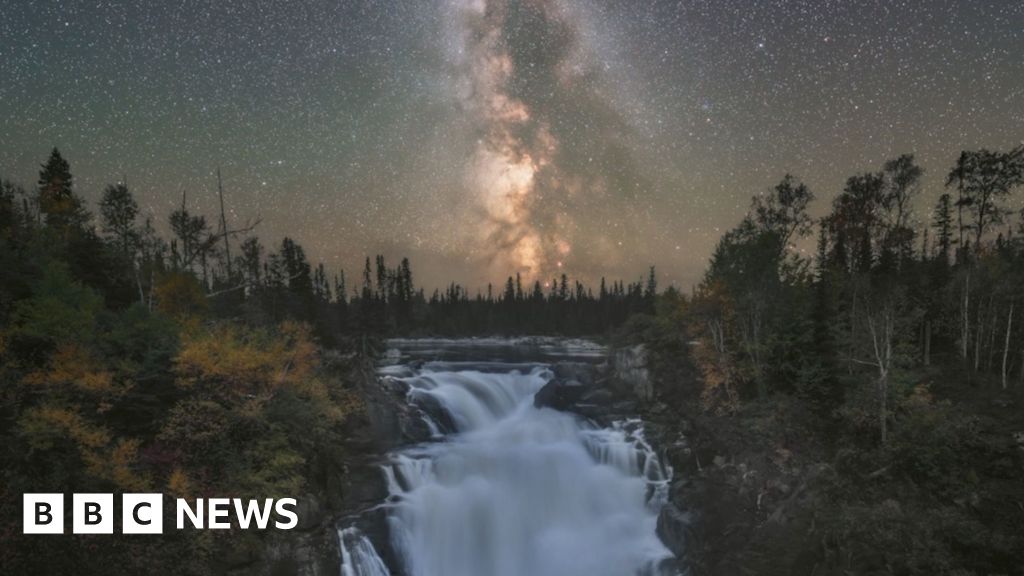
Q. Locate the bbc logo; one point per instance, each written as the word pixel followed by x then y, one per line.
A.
pixel 93 514
pixel 144 513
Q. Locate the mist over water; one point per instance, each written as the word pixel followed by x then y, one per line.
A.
pixel 516 490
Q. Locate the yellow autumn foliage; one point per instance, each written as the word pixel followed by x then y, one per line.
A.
pixel 105 458
pixel 229 362
pixel 46 424
pixel 178 483
pixel 74 366
pixel 118 465
pixel 713 317
pixel 179 295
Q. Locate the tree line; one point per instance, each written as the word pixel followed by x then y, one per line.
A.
pixel 205 362
pixel 208 363
pixel 889 291
pixel 231 273
pixel 855 409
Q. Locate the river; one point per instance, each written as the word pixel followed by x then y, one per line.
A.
pixel 505 488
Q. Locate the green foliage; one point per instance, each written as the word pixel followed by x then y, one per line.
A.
pixel 118 210
pixel 114 377
pixel 846 364
pixel 934 443
pixel 60 309
pixel 180 295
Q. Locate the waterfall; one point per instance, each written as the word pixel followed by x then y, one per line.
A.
pixel 516 490
pixel 358 556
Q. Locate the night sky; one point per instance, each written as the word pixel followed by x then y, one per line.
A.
pixel 482 137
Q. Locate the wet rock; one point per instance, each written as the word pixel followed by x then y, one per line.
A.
pixel 414 428
pixel 598 396
pixel 437 413
pixel 310 512
pixel 630 372
pixel 394 386
pixel 673 527
pixel 374 525
pixel 579 371
pixel 308 554
pixel 559 394
pixel 679 453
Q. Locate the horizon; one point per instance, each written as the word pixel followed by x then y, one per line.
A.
pixel 512 287
pixel 590 134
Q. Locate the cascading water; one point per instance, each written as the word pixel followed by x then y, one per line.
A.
pixel 516 490
pixel 358 556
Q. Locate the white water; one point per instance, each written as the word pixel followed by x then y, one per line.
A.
pixel 358 556
pixel 518 490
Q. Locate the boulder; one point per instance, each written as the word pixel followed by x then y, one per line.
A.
pixel 559 394
pixel 673 526
pixel 631 373
pixel 310 512
pixel 579 371
pixel 599 396
pixel 431 406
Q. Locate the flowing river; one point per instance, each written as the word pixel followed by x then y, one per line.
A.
pixel 509 489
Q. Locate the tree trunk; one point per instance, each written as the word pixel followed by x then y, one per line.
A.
pixel 224 227
pixel 1021 383
pixel 1006 343
pixel 993 332
pixel 883 408
pixel 965 317
pixel 138 282
pixel 928 342
pixel 851 337
pixel 882 329
pixel 978 335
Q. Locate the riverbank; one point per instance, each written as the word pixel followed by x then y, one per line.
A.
pixel 776 488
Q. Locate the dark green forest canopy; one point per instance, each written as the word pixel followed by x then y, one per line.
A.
pixel 133 361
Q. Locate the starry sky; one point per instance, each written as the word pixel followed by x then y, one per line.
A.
pixel 485 137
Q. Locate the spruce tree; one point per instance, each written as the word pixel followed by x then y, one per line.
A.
pixel 118 210
pixel 943 224
pixel 58 205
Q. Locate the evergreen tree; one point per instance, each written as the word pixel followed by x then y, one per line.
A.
pixel 118 211
pixel 818 382
pixel 943 223
pixel 650 290
pixel 367 292
pixel 60 207
pixel 509 296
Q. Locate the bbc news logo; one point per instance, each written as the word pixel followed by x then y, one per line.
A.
pixel 143 513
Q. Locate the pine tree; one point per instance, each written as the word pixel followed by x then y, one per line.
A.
pixel 817 381
pixel 943 224
pixel 538 292
pixel 340 294
pixel 382 279
pixel 366 295
pixel 509 295
pixel 405 271
pixel 118 210
pixel 650 290
pixel 62 210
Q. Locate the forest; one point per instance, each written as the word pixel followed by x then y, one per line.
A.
pixel 883 372
pixel 858 410
pixel 205 363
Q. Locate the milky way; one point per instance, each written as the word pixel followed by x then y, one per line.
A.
pixel 487 137
pixel 527 81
